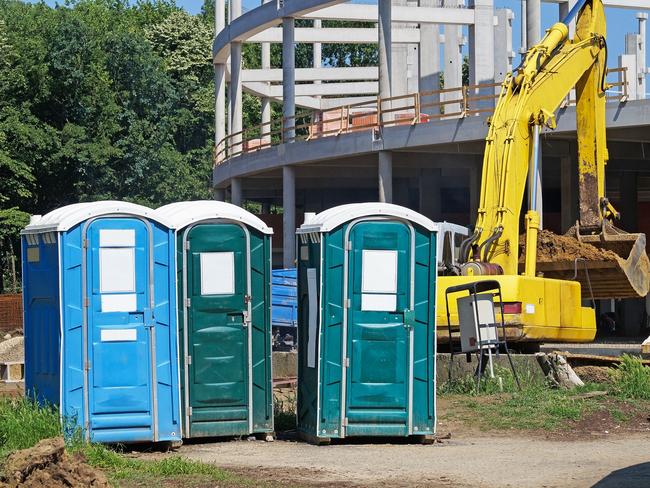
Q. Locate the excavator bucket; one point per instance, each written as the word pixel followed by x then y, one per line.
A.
pixel 612 264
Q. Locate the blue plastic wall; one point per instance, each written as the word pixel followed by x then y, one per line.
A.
pixel 284 297
pixel 42 324
pixel 43 342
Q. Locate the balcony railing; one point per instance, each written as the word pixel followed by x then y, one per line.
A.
pixel 415 108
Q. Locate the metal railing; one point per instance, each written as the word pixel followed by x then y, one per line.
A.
pixel 415 108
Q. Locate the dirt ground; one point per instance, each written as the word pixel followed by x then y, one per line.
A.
pixel 464 461
pixel 594 454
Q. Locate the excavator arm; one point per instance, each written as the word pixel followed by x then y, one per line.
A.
pixel 529 100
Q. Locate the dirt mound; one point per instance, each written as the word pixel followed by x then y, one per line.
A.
pixel 553 248
pixel 593 374
pixel 47 464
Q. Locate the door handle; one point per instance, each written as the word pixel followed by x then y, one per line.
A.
pixel 245 318
pixel 409 318
pixel 148 318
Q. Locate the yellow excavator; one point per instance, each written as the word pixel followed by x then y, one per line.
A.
pixel 544 303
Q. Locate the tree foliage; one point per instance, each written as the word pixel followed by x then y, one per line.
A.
pixel 101 99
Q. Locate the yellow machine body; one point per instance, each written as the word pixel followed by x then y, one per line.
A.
pixel 551 310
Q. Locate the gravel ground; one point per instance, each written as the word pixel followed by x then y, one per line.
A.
pixel 477 461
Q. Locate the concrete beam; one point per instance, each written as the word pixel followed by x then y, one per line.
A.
pixel 312 74
pixel 320 89
pixel 337 35
pixel 419 15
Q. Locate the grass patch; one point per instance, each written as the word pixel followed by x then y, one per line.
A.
pixel 284 412
pixel 121 469
pixel 631 379
pixel 502 406
pixel 23 423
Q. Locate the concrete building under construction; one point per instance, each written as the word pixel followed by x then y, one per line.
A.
pixel 396 132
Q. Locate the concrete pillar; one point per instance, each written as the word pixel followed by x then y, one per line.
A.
pixel 481 50
pixel 219 80
pixel 219 194
pixel 235 98
pixel 641 55
pixel 266 102
pixel 430 198
pixel 385 174
pixel 385 51
pixel 288 216
pixel 236 192
pixel 503 53
pixel 567 200
pixel 429 61
pixel 289 78
pixel 533 22
pixel 317 48
pixel 628 61
pixel 474 190
pixel 453 62
pixel 564 9
pixel 635 46
pixel 522 15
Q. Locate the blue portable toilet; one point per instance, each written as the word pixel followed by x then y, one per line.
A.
pixel 100 320
pixel 284 292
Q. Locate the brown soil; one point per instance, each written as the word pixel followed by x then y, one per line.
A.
pixel 610 419
pixel 593 374
pixel 552 248
pixel 47 464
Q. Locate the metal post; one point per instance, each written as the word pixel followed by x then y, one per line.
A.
pixel 289 216
pixel 385 176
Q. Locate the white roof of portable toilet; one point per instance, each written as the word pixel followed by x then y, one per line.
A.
pixel 333 217
pixel 181 214
pixel 64 218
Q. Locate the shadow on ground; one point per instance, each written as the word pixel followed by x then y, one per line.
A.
pixel 637 476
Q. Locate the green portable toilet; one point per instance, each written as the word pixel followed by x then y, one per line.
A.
pixel 366 323
pixel 223 262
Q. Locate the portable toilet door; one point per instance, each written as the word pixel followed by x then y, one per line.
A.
pixel 108 358
pixel 366 298
pixel 223 284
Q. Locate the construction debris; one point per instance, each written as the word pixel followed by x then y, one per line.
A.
pixel 48 464
pixel 12 350
pixel 558 372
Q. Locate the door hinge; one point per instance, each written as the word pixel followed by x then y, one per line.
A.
pixel 189 360
pixel 189 411
pixel 87 366
pixel 345 422
pixel 347 362
pixel 186 245
pixel 348 246
pixel 188 302
pixel 86 302
pixel 84 244
pixel 346 303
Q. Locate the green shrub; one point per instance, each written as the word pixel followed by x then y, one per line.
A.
pixel 631 379
pixel 23 423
